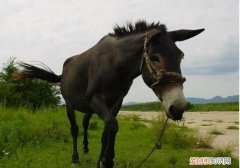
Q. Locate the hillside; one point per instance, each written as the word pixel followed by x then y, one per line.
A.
pixel 216 99
pixel 157 106
pixel 194 100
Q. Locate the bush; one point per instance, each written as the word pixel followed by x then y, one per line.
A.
pixel 205 141
pixel 189 106
pixel 225 151
pixel 30 93
pixel 174 135
pixel 233 127
pixel 216 132
pixel 20 127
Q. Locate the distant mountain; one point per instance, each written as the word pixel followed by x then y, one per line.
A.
pixel 194 100
pixel 216 99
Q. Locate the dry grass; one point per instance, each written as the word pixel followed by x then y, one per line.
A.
pixel 216 132
pixel 233 127
pixel 206 124
pixel 205 141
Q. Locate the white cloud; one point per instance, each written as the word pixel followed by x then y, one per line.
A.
pixel 51 31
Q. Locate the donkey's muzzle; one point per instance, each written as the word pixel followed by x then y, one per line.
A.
pixel 174 102
pixel 175 113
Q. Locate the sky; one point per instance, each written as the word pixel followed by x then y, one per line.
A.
pixel 51 31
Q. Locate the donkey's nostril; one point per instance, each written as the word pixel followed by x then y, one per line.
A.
pixel 175 113
pixel 171 111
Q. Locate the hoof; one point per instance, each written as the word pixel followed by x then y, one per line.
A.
pixel 85 150
pixel 101 165
pixel 74 164
pixel 75 159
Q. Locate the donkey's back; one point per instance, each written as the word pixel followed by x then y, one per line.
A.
pixel 93 71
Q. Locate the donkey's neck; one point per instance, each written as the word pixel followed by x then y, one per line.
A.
pixel 131 55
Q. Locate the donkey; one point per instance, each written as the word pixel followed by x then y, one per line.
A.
pixel 97 80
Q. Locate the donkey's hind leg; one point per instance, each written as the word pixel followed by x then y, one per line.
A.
pixel 85 123
pixel 74 132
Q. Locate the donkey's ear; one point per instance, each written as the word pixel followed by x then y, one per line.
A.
pixel 180 35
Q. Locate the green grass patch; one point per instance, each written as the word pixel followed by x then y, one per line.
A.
pixel 207 120
pixel 157 106
pixel 231 106
pixel 225 150
pixel 174 135
pixel 205 141
pixel 236 122
pixel 150 106
pixel 233 127
pixel 206 124
pixel 42 139
pixel 216 132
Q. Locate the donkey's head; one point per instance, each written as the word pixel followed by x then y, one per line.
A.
pixel 161 68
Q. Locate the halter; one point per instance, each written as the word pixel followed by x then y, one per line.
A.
pixel 160 75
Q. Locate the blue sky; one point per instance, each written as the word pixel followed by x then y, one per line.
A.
pixel 52 31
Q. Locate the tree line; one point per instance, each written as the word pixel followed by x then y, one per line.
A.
pixel 25 92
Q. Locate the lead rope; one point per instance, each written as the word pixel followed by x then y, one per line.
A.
pixel 156 146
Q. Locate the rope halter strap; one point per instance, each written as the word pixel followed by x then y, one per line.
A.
pixel 159 75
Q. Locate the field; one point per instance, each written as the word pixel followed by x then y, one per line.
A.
pixel 222 128
pixel 156 106
pixel 41 139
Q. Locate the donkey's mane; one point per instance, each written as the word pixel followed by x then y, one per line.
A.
pixel 139 27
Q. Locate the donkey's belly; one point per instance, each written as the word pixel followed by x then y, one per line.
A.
pixel 75 96
pixel 79 104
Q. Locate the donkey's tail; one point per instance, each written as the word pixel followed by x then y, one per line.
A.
pixel 33 72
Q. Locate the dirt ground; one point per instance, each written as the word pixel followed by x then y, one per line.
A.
pixel 205 123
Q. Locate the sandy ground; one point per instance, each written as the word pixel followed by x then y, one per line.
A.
pixel 205 122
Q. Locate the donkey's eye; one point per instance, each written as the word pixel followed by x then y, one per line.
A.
pixel 154 58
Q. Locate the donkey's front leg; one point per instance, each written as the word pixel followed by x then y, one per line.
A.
pixel 110 130
pixel 85 124
pixel 108 142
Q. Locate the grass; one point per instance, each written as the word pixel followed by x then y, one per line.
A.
pixel 41 139
pixel 233 127
pixel 206 124
pixel 207 120
pixel 151 106
pixel 179 137
pixel 231 106
pixel 225 150
pixel 216 132
pixel 205 141
pixel 156 106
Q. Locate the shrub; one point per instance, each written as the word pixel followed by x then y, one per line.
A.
pixel 174 135
pixel 205 141
pixel 216 132
pixel 30 93
pixel 225 151
pixel 20 127
pixel 232 127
